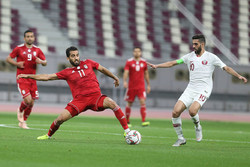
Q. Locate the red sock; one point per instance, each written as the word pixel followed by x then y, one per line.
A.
pixel 53 128
pixel 27 112
pixel 23 106
pixel 128 112
pixel 121 117
pixel 143 112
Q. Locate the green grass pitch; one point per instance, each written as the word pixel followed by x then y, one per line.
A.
pixel 99 142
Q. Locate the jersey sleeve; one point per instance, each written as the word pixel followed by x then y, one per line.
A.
pixel 41 55
pixel 126 66
pixel 14 53
pixel 62 74
pixel 217 62
pixel 94 64
pixel 185 58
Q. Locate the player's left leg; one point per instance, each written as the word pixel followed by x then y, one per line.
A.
pixel 143 112
pixel 109 103
pixel 193 112
pixel 64 116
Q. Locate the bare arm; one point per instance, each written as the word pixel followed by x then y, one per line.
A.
pixel 234 73
pixel 39 77
pixel 147 80
pixel 167 64
pixel 125 78
pixel 110 74
pixel 13 62
pixel 40 61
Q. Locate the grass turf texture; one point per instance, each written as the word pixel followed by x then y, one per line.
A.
pixel 99 141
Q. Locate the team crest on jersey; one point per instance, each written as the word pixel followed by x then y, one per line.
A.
pixel 204 62
pixel 29 50
pixel 23 91
pixel 24 53
pixel 133 65
pixel 34 53
pixel 73 71
pixel 142 65
pixel 85 66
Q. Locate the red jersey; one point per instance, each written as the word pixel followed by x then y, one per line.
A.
pixel 136 73
pixel 81 79
pixel 22 53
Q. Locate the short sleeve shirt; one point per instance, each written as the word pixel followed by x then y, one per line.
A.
pixel 136 73
pixel 81 79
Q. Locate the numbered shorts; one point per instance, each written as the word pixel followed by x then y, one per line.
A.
pixel 82 103
pixel 189 96
pixel 132 93
pixel 28 88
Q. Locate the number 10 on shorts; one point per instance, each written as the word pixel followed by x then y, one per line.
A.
pixel 202 98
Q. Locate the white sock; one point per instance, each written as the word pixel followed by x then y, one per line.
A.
pixel 177 127
pixel 196 120
pixel 127 130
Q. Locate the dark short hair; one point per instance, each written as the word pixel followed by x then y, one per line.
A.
pixel 137 47
pixel 200 37
pixel 72 48
pixel 27 32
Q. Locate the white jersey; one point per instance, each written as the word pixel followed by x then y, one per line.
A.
pixel 201 70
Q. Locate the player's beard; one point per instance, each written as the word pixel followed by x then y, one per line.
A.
pixel 198 51
pixel 76 63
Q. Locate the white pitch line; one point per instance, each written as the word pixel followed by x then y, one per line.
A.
pixel 118 134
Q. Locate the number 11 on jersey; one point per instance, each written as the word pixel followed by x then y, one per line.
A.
pixel 81 73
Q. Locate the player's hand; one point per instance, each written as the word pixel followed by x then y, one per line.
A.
pixel 22 76
pixel 148 89
pixel 152 65
pixel 20 64
pixel 116 82
pixel 243 79
pixel 125 84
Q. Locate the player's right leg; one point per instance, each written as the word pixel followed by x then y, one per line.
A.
pixel 129 97
pixel 128 113
pixel 177 123
pixel 25 107
pixel 64 116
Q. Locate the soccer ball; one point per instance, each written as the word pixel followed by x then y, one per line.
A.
pixel 133 137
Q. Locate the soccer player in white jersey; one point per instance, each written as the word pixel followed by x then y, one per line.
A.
pixel 201 65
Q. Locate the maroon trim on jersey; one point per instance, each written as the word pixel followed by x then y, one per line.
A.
pixel 96 104
pixel 76 108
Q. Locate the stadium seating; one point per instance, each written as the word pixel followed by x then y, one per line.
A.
pixel 112 28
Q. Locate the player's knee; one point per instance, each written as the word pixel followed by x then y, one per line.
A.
pixel 176 114
pixel 111 103
pixel 192 113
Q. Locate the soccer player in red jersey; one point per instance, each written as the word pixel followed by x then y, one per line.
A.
pixel 27 57
pixel 85 90
pixel 136 70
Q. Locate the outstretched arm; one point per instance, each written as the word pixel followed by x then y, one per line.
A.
pixel 39 77
pixel 234 73
pixel 167 64
pixel 110 74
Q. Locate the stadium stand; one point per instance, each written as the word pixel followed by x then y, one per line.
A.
pixel 111 28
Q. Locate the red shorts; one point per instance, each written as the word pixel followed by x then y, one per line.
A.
pixel 28 88
pixel 82 103
pixel 132 93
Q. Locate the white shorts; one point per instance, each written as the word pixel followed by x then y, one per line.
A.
pixel 190 96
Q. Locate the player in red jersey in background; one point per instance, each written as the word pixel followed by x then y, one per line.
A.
pixel 27 57
pixel 136 70
pixel 85 90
